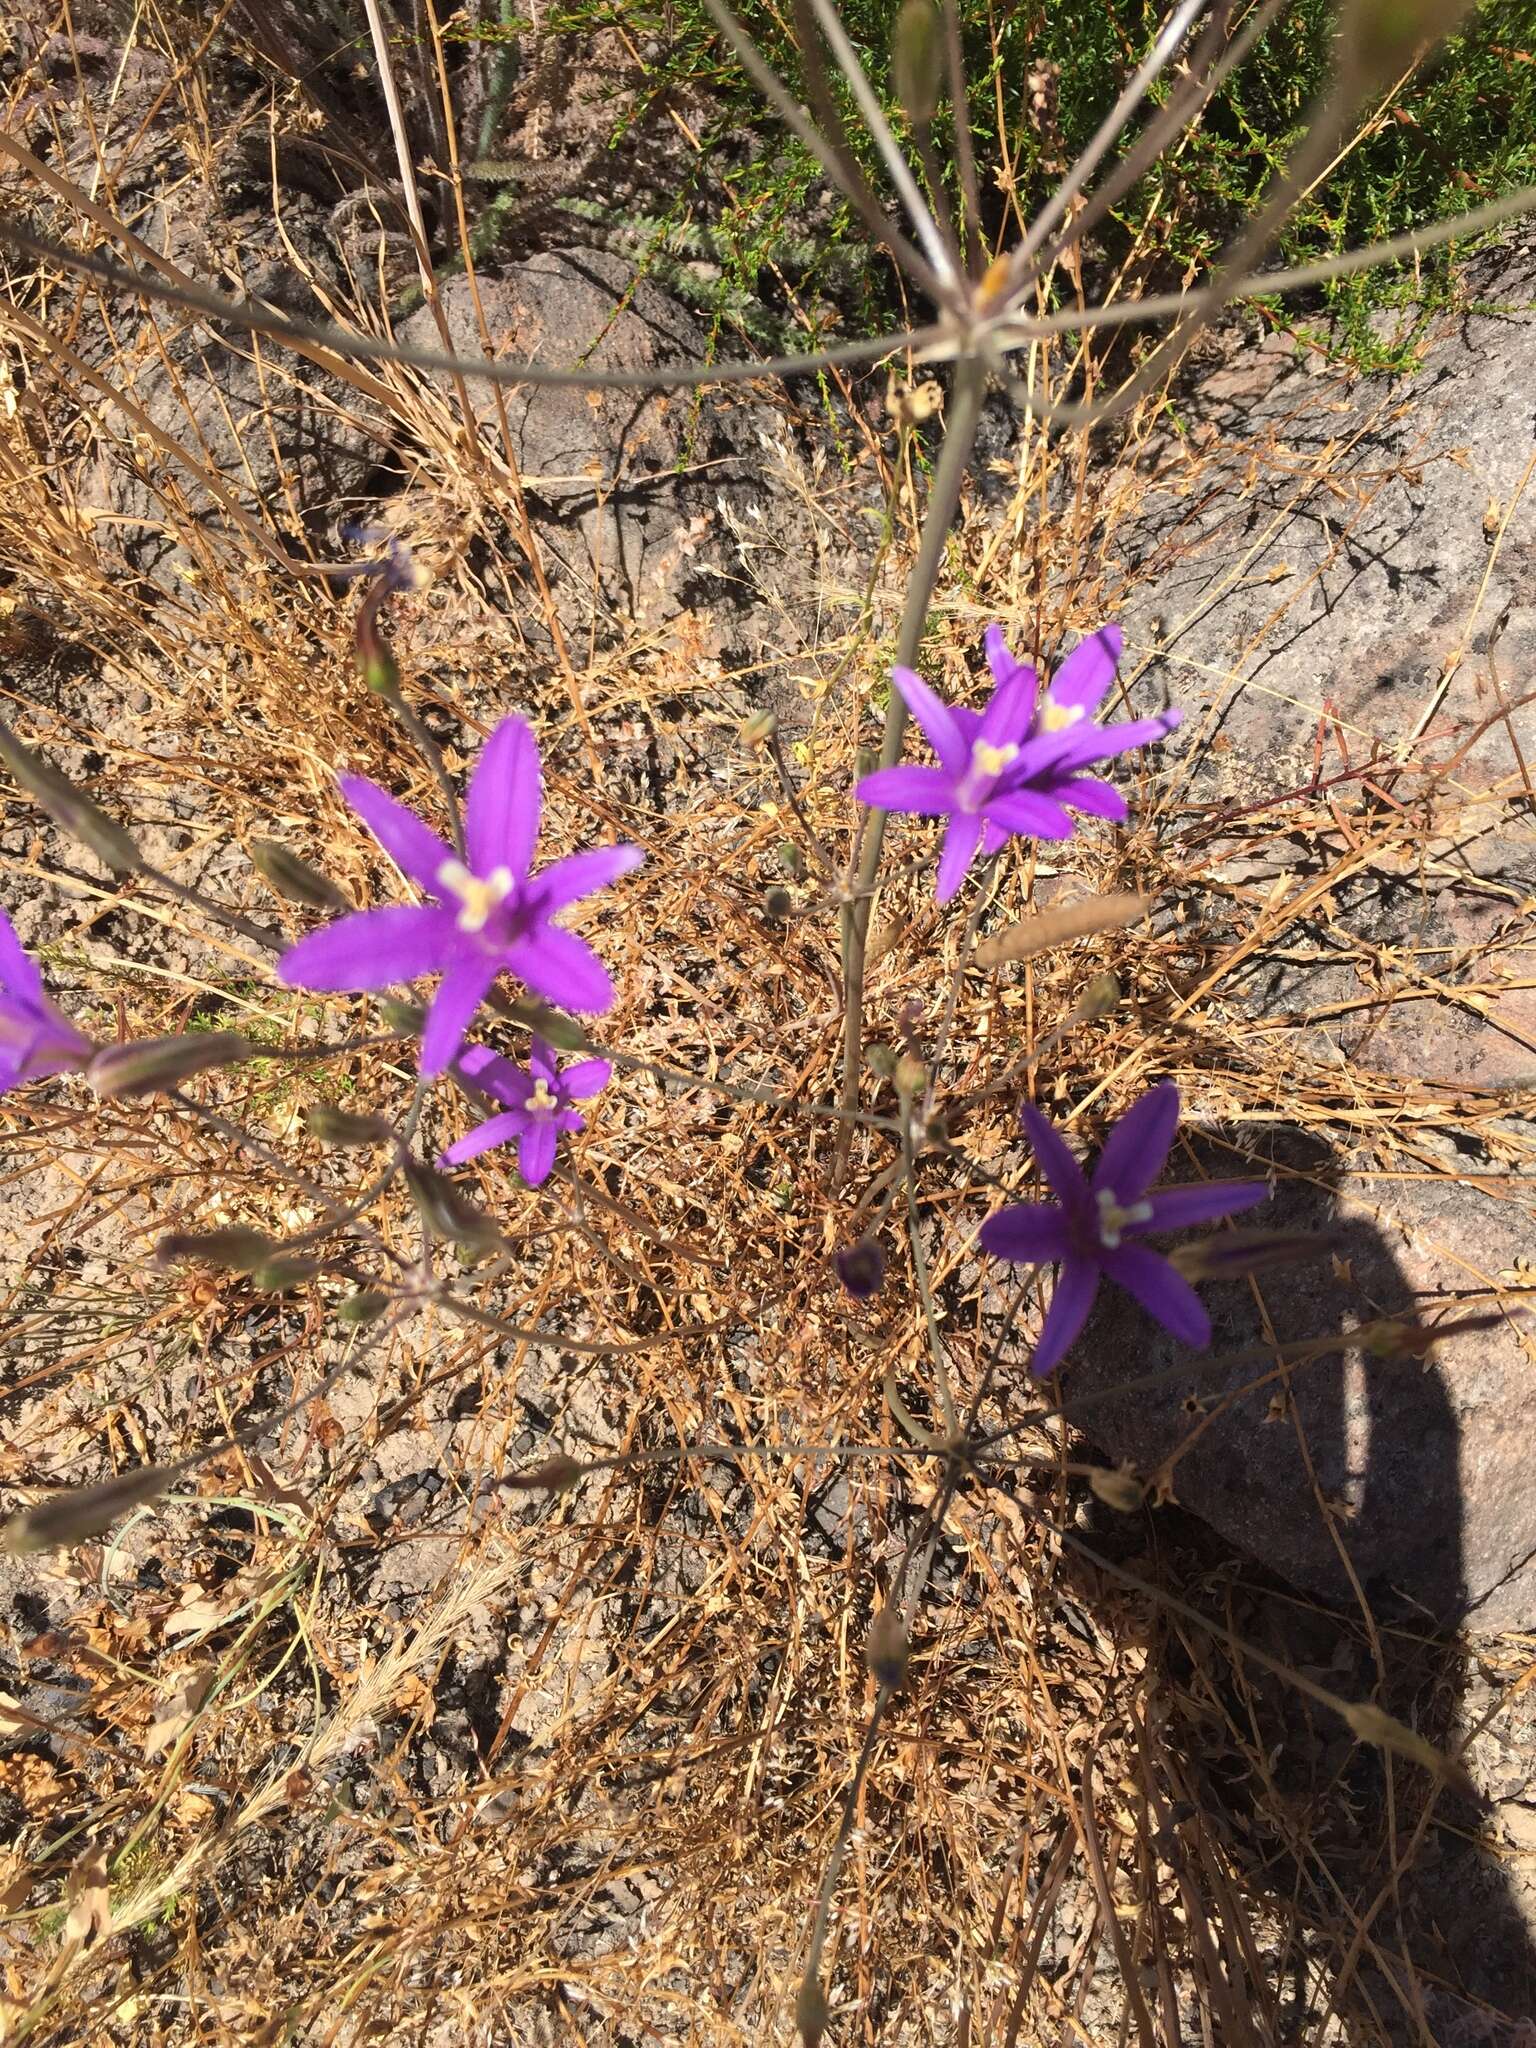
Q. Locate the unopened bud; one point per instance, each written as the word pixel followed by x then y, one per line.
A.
pixel 77 1513
pixel 281 1275
pixel 916 61
pixel 282 870
pixel 1122 1491
pixel 777 904
pixel 910 1075
pixel 235 1249
pixel 362 1308
pixel 865 762
pixel 861 1268
pixel 1380 39
pixel 406 1018
pixel 1101 995
pixel 790 858
pixel 446 1212
pixel 333 1126
pixel 553 1026
pixel 811 2012
pixel 148 1066
pixel 880 1059
pixel 1234 1254
pixel 375 664
pixel 69 810
pixel 888 1651
pixel 556 1475
pixel 753 731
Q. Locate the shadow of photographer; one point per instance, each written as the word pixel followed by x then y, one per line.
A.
pixel 1342 1477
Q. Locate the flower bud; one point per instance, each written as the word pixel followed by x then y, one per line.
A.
pixel 362 1308
pixel 332 1126
pixel 880 1059
pixel 69 810
pixel 282 1275
pixel 235 1249
pixel 375 664
pixel 917 61
pixel 1234 1254
pixel 283 871
pixel 760 727
pixel 406 1018
pixel 556 1475
pixel 1380 39
pixel 790 858
pixel 861 1268
pixel 888 1651
pixel 777 904
pixel 446 1212
pixel 149 1066
pixel 553 1026
pixel 910 1075
pixel 77 1513
pixel 1101 995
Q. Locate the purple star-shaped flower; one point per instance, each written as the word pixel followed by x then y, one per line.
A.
pixel 36 1040
pixel 491 915
pixel 1097 1226
pixel 1015 766
pixel 538 1101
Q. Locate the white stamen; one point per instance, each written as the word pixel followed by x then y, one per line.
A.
pixel 1113 1219
pixel 478 895
pixel 541 1097
pixel 989 760
pixel 1054 717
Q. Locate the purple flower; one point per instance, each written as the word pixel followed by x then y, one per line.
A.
pixel 491 915
pixel 1098 1225
pixel 1014 767
pixel 36 1040
pixel 538 1103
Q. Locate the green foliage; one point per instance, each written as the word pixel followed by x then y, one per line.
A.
pixel 1462 130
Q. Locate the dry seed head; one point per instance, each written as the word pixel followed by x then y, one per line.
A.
pixel 888 1650
pixel 1119 1490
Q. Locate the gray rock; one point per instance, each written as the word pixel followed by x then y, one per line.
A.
pixel 624 488
pixel 1329 554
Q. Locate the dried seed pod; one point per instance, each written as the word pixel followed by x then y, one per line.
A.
pixel 283 871
pixel 1059 925
pixel 1119 1490
pixel 77 1513
pixel 69 809
pixel 149 1066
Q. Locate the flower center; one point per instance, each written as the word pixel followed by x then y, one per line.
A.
pixel 1054 717
pixel 541 1102
pixel 987 764
pixel 478 896
pixel 1113 1219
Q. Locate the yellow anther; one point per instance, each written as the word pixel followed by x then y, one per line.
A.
pixel 541 1097
pixel 1054 717
pixel 992 760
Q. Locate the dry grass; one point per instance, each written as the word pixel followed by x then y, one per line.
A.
pixel 1073 1826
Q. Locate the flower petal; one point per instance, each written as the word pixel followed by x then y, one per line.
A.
pixel 929 792
pixel 373 948
pixel 1062 1173
pixel 536 1153
pixel 1135 1149
pixel 501 812
pixel 1086 674
pixel 497 1077
pixel 1079 746
pixel 1163 1293
pixel 935 718
pixel 20 974
pixel 413 847
pixel 496 1130
pixel 1202 1202
pixel 961 840
pixel 1011 706
pixel 561 968
pixel 586 1079
pixel 1098 799
pixel 1026 813
pixel 580 874
pixel 1076 1285
pixel 461 992
pixel 1028 1233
